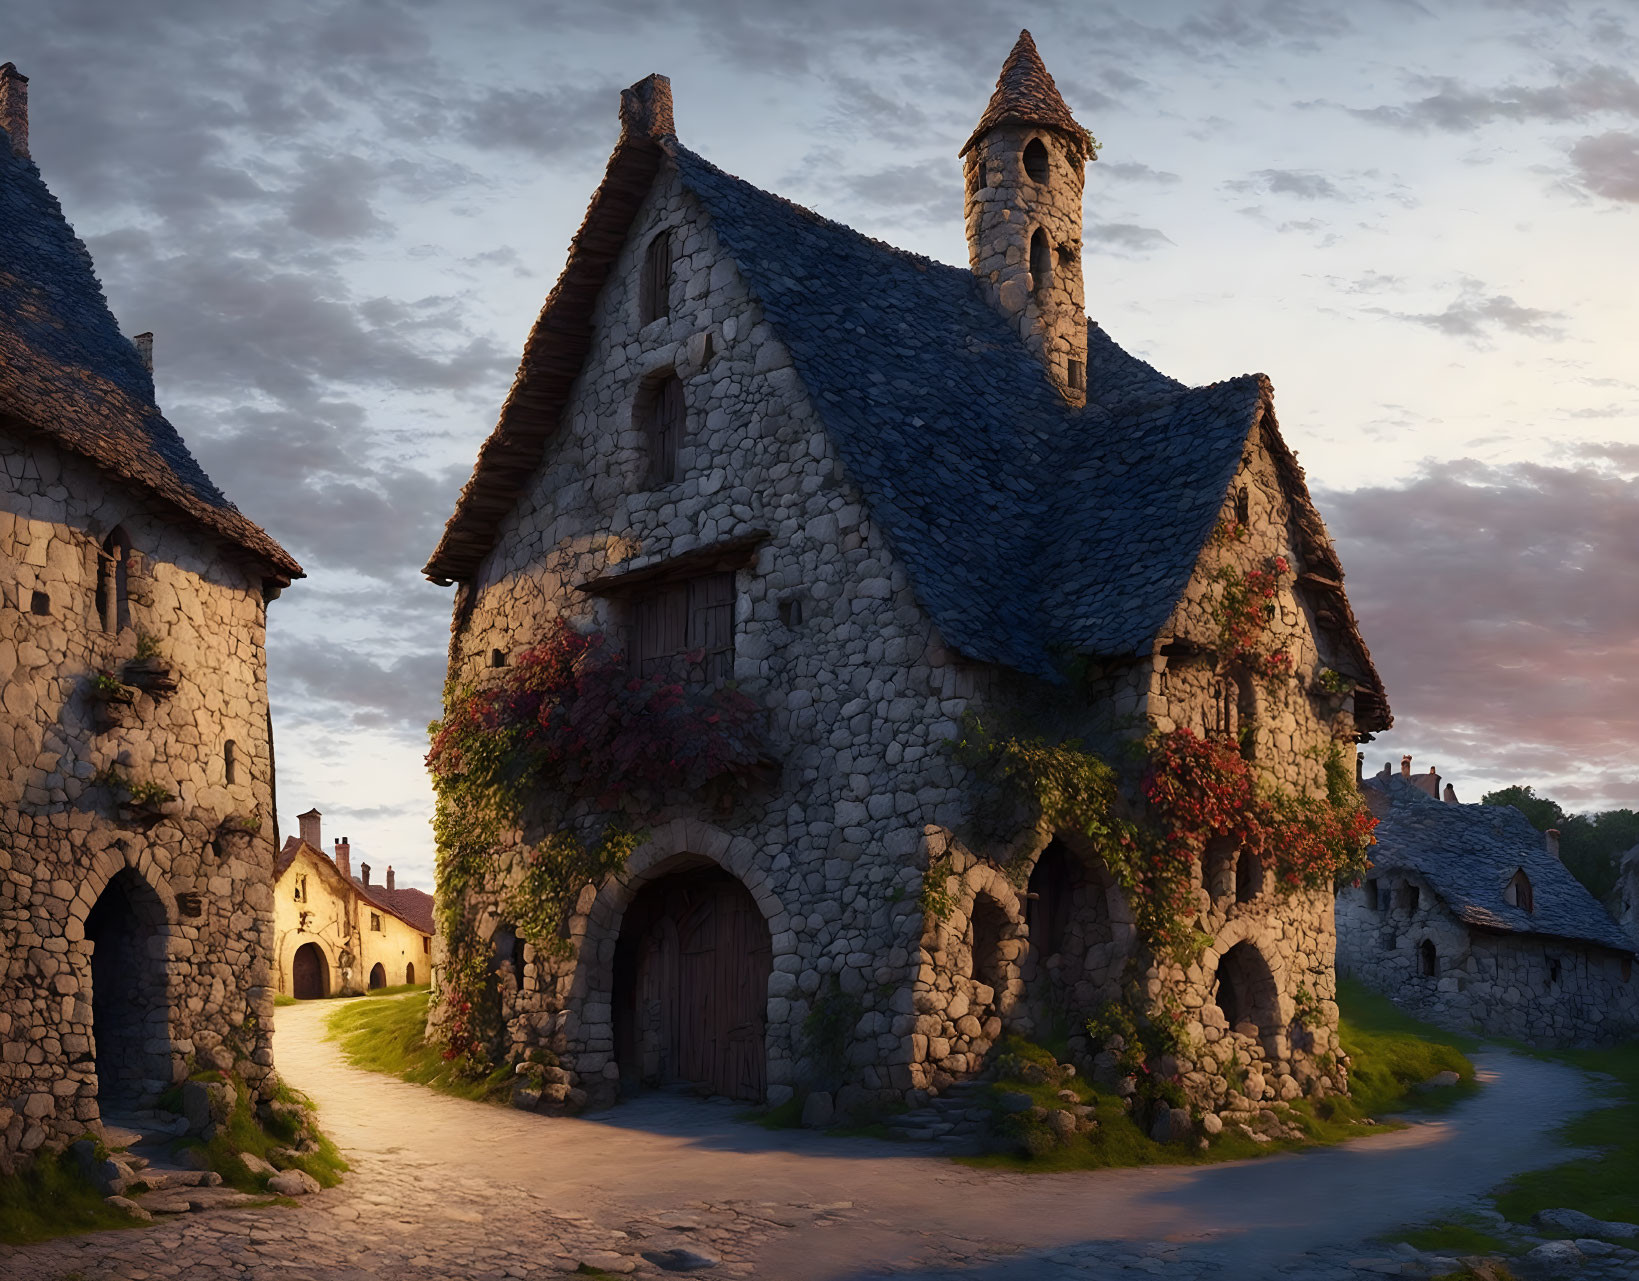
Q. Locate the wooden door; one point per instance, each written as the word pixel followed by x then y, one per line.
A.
pixel 725 957
pixel 308 973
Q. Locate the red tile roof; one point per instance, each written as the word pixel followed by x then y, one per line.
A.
pixel 412 906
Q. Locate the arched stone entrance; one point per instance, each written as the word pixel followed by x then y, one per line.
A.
pixel 378 976
pixel 1074 961
pixel 1247 993
pixel 309 973
pixel 409 973
pixel 130 998
pixel 690 985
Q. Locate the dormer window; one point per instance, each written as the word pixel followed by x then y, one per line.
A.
pixel 1519 892
pixel 1035 161
pixel 655 288
pixel 1041 262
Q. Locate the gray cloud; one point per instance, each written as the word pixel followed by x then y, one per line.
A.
pixel 320 681
pixel 1124 238
pixel 1607 164
pixel 1459 108
pixel 1304 184
pixel 1133 171
pixel 1477 316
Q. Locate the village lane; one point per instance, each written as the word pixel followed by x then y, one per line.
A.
pixel 443 1188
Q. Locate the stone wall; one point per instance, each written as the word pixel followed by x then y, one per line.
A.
pixel 1541 990
pixel 862 697
pixel 188 900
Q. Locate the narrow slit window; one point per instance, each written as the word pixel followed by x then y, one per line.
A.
pixel 230 763
pixel 1428 960
pixel 497 658
pixel 656 288
pixel 1041 262
pixel 113 582
pixel 664 412
pixel 1078 376
pixel 1243 506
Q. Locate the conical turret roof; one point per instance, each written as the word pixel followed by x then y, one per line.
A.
pixel 1026 95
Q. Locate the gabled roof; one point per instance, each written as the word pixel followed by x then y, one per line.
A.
pixel 1031 528
pixel 68 374
pixel 1026 95
pixel 413 907
pixel 1469 853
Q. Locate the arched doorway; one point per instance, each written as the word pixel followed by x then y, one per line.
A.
pixel 378 976
pixel 309 973
pixel 691 985
pixel 130 1004
pixel 1072 963
pixel 1246 992
pixel 409 973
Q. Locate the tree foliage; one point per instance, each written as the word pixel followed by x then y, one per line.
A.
pixel 1591 845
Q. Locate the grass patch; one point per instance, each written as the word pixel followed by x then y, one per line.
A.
pixel 1392 1055
pixel 1459 1236
pixel 1605 1184
pixel 244 1132
pixel 282 999
pixel 50 1199
pixel 397 990
pixel 390 1037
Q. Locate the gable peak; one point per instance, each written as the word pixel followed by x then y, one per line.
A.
pixel 1025 94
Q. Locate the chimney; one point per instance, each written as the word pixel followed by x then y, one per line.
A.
pixel 1451 795
pixel 1405 766
pixel 344 858
pixel 364 873
pixel 144 343
pixel 310 828
pixel 389 876
pixel 1550 840
pixel 646 109
pixel 14 108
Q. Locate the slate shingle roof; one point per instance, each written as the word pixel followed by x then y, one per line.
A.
pixel 1026 95
pixel 1031 528
pixel 68 373
pixel 1469 853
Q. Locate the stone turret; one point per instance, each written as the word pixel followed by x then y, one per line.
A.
pixel 1023 169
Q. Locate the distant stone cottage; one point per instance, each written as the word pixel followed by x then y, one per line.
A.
pixel 1469 919
pixel 136 810
pixel 879 493
pixel 338 934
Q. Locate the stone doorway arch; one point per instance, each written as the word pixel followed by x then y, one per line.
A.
pixel 690 985
pixel 1246 992
pixel 409 973
pixel 309 973
pixel 129 933
pixel 1077 933
pixel 378 976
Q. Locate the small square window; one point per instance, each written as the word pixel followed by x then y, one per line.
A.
pixel 375 922
pixel 39 603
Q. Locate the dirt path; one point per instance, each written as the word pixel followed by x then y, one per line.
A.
pixel 445 1188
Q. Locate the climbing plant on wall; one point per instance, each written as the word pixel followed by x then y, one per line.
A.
pixel 1193 790
pixel 567 723
pixel 1246 606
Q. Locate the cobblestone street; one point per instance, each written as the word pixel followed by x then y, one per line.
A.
pixel 444 1189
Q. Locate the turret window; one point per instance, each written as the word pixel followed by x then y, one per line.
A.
pixel 1035 161
pixel 1041 262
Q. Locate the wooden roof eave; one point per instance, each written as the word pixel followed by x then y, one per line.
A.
pixel 552 359
pixel 1324 572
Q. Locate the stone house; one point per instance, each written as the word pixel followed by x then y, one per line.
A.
pixel 338 934
pixel 1469 920
pixel 880 493
pixel 136 789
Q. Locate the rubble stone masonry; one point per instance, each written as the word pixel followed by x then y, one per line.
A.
pixel 134 939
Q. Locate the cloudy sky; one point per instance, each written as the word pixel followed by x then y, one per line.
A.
pixel 1419 220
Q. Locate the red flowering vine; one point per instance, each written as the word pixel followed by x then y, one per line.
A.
pixel 1245 609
